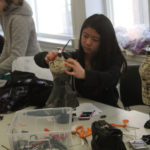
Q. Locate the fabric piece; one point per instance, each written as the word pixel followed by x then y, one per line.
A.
pixel 62 94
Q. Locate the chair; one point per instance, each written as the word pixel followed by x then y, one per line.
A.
pixel 130 87
pixel 2 40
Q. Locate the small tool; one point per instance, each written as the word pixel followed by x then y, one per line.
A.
pixel 65 45
pixel 60 51
pixel 125 122
pixel 103 116
pixel 81 132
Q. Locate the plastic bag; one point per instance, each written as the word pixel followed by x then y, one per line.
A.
pixel 134 39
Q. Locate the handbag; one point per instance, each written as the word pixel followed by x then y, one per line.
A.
pixel 106 137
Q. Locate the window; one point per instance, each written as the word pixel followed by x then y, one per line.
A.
pixel 53 17
pixel 58 20
pixel 130 19
pixel 128 13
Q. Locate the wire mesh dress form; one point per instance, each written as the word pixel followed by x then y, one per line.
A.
pixel 144 71
pixel 62 94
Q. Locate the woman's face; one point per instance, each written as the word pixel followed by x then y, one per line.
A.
pixel 90 41
pixel 3 5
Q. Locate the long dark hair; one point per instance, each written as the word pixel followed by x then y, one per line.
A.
pixel 108 42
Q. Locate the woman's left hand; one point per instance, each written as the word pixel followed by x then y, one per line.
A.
pixel 77 70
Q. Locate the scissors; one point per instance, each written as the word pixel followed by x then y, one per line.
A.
pixel 125 122
pixel 81 132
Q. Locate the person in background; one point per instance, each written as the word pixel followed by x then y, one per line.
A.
pixel 98 63
pixel 19 32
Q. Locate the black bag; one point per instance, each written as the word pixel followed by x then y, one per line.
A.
pixel 22 90
pixel 106 137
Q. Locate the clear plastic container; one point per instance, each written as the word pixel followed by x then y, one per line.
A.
pixel 41 129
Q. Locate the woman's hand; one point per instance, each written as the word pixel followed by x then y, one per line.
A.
pixel 50 56
pixel 77 70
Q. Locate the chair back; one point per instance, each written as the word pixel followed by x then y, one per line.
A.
pixel 130 87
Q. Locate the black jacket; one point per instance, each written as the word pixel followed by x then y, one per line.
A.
pixel 99 86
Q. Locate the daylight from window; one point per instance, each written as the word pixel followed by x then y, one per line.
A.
pixel 54 17
pixel 123 13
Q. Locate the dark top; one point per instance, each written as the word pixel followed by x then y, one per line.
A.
pixel 98 85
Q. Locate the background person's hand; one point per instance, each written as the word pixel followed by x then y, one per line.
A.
pixel 77 70
pixel 51 56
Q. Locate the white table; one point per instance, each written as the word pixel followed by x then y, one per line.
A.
pixel 116 115
pixel 113 115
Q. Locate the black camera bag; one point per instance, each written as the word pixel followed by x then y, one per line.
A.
pixel 106 137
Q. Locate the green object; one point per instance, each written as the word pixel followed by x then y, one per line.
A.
pixel 5 77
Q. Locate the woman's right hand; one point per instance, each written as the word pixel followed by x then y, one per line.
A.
pixel 51 56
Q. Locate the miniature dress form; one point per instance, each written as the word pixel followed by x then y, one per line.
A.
pixel 144 71
pixel 62 94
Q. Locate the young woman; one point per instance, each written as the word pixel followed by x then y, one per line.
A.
pixel 98 63
pixel 19 32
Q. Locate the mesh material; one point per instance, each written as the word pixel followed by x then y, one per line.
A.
pixel 144 71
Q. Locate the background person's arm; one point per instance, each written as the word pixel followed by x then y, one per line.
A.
pixel 19 31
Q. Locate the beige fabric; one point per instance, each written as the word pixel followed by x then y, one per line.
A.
pixel 144 71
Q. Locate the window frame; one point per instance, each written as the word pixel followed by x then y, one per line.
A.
pixel 78 14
